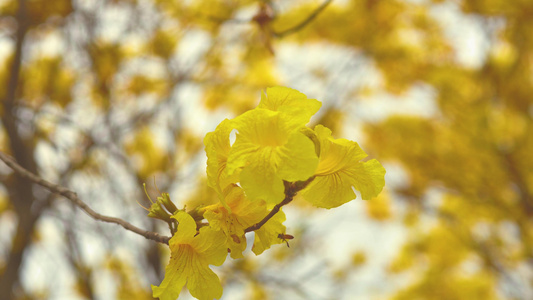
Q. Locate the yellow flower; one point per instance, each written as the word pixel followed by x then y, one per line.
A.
pixel 190 258
pixel 270 148
pixel 240 214
pixel 339 170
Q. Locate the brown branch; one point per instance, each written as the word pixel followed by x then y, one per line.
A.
pixel 21 146
pixel 305 22
pixel 274 211
pixel 291 189
pixel 73 197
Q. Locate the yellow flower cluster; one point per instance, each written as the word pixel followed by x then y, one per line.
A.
pixel 274 156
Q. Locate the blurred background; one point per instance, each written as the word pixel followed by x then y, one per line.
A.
pixel 102 96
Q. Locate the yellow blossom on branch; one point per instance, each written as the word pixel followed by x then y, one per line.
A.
pixel 274 157
pixel 269 148
pixel 190 257
pixel 339 170
pixel 240 214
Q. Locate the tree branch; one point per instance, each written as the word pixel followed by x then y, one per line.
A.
pixel 73 197
pixel 304 23
pixel 19 189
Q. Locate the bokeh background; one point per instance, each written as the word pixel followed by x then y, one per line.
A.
pixel 102 96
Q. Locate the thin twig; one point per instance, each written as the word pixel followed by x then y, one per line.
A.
pixel 291 189
pixel 274 211
pixel 73 197
pixel 304 23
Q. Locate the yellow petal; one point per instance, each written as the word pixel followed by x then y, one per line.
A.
pixel 297 158
pixel 174 280
pixel 267 235
pixel 336 154
pixel 237 245
pixel 257 129
pixel 186 266
pixel 210 244
pixel 328 191
pixel 368 178
pixel 217 147
pixel 186 228
pixel 269 150
pixel 339 170
pixel 260 182
pixel 204 284
pixel 242 214
pixel 190 257
pixel 290 101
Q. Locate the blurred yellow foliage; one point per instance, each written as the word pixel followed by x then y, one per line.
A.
pixel 46 80
pixel 164 43
pixel 128 286
pixel 141 84
pixel 358 258
pixel 258 292
pixel 149 156
pixel 379 208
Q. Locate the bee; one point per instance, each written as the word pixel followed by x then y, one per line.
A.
pixel 285 238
